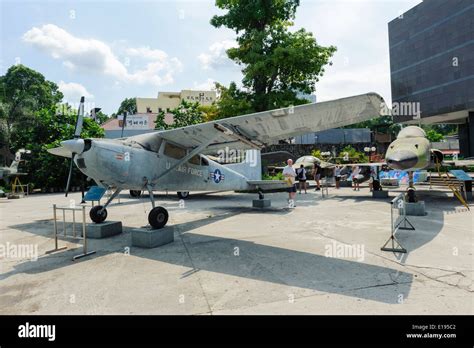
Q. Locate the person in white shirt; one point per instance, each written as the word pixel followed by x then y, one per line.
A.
pixel 337 175
pixel 290 174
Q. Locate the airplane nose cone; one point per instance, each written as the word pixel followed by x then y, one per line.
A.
pixel 402 160
pixel 74 145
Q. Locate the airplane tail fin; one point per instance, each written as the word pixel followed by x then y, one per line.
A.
pixel 250 167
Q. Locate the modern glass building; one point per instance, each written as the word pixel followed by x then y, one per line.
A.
pixel 432 65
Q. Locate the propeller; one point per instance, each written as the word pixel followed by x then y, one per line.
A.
pixel 76 145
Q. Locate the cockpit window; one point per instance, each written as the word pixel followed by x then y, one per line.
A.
pixel 174 151
pixel 195 160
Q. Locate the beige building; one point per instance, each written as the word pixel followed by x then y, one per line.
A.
pixel 167 101
pixel 147 111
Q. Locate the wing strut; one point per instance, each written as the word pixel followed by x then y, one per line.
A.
pixel 190 155
pixel 239 137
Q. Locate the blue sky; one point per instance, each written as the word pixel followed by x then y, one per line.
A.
pixel 110 50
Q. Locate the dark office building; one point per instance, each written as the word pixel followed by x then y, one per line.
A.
pixel 432 63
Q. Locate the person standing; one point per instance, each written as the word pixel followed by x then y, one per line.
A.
pixel 290 174
pixel 317 175
pixel 337 175
pixel 356 178
pixel 301 175
pixel 373 177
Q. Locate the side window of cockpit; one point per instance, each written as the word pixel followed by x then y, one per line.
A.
pixel 204 161
pixel 174 151
pixel 195 160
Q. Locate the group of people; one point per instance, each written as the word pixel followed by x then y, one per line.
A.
pixel 300 174
pixel 291 175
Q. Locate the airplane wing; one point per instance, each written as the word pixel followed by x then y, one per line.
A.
pixel 268 184
pixel 264 128
pixel 374 164
pixel 459 163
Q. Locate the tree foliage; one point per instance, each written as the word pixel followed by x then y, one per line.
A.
pixel 276 63
pixel 232 101
pixel 184 114
pixel 353 155
pixel 32 118
pixel 128 105
pixel 22 92
pixel 382 124
pixel 46 130
pixel 433 135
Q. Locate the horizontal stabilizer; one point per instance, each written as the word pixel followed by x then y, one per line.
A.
pixel 268 184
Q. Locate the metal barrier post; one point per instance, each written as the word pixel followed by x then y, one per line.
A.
pixel 74 223
pixel 64 222
pixel 55 233
pixel 84 236
pixel 395 224
pixel 84 230
pixel 55 228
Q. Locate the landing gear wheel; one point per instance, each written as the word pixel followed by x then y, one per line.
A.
pixel 135 193
pixel 183 194
pixel 158 217
pixel 97 216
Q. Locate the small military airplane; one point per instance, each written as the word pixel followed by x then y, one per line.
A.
pixel 327 168
pixel 412 151
pixel 176 160
pixel 7 172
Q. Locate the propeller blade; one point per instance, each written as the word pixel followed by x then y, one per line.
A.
pixel 70 174
pixel 80 119
pixel 82 188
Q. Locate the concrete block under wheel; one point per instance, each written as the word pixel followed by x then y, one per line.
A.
pixel 102 230
pixel 261 203
pixel 415 209
pixel 379 194
pixel 146 238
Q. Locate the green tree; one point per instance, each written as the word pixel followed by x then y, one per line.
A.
pixel 101 117
pixel 353 155
pixel 185 114
pixel 128 105
pixel 276 63
pixel 232 101
pixel 433 135
pixel 382 124
pixel 47 129
pixel 22 92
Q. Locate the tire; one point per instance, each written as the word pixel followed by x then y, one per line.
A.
pixel 158 217
pixel 183 194
pixel 95 216
pixel 135 193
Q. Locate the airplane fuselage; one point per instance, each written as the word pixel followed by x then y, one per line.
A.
pixel 129 166
pixel 411 151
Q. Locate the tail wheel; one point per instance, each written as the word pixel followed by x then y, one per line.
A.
pixel 98 216
pixel 158 217
pixel 135 193
pixel 183 194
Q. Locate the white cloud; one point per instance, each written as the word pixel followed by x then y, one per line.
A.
pixel 360 33
pixel 95 56
pixel 207 85
pixel 216 56
pixel 343 80
pixel 73 91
